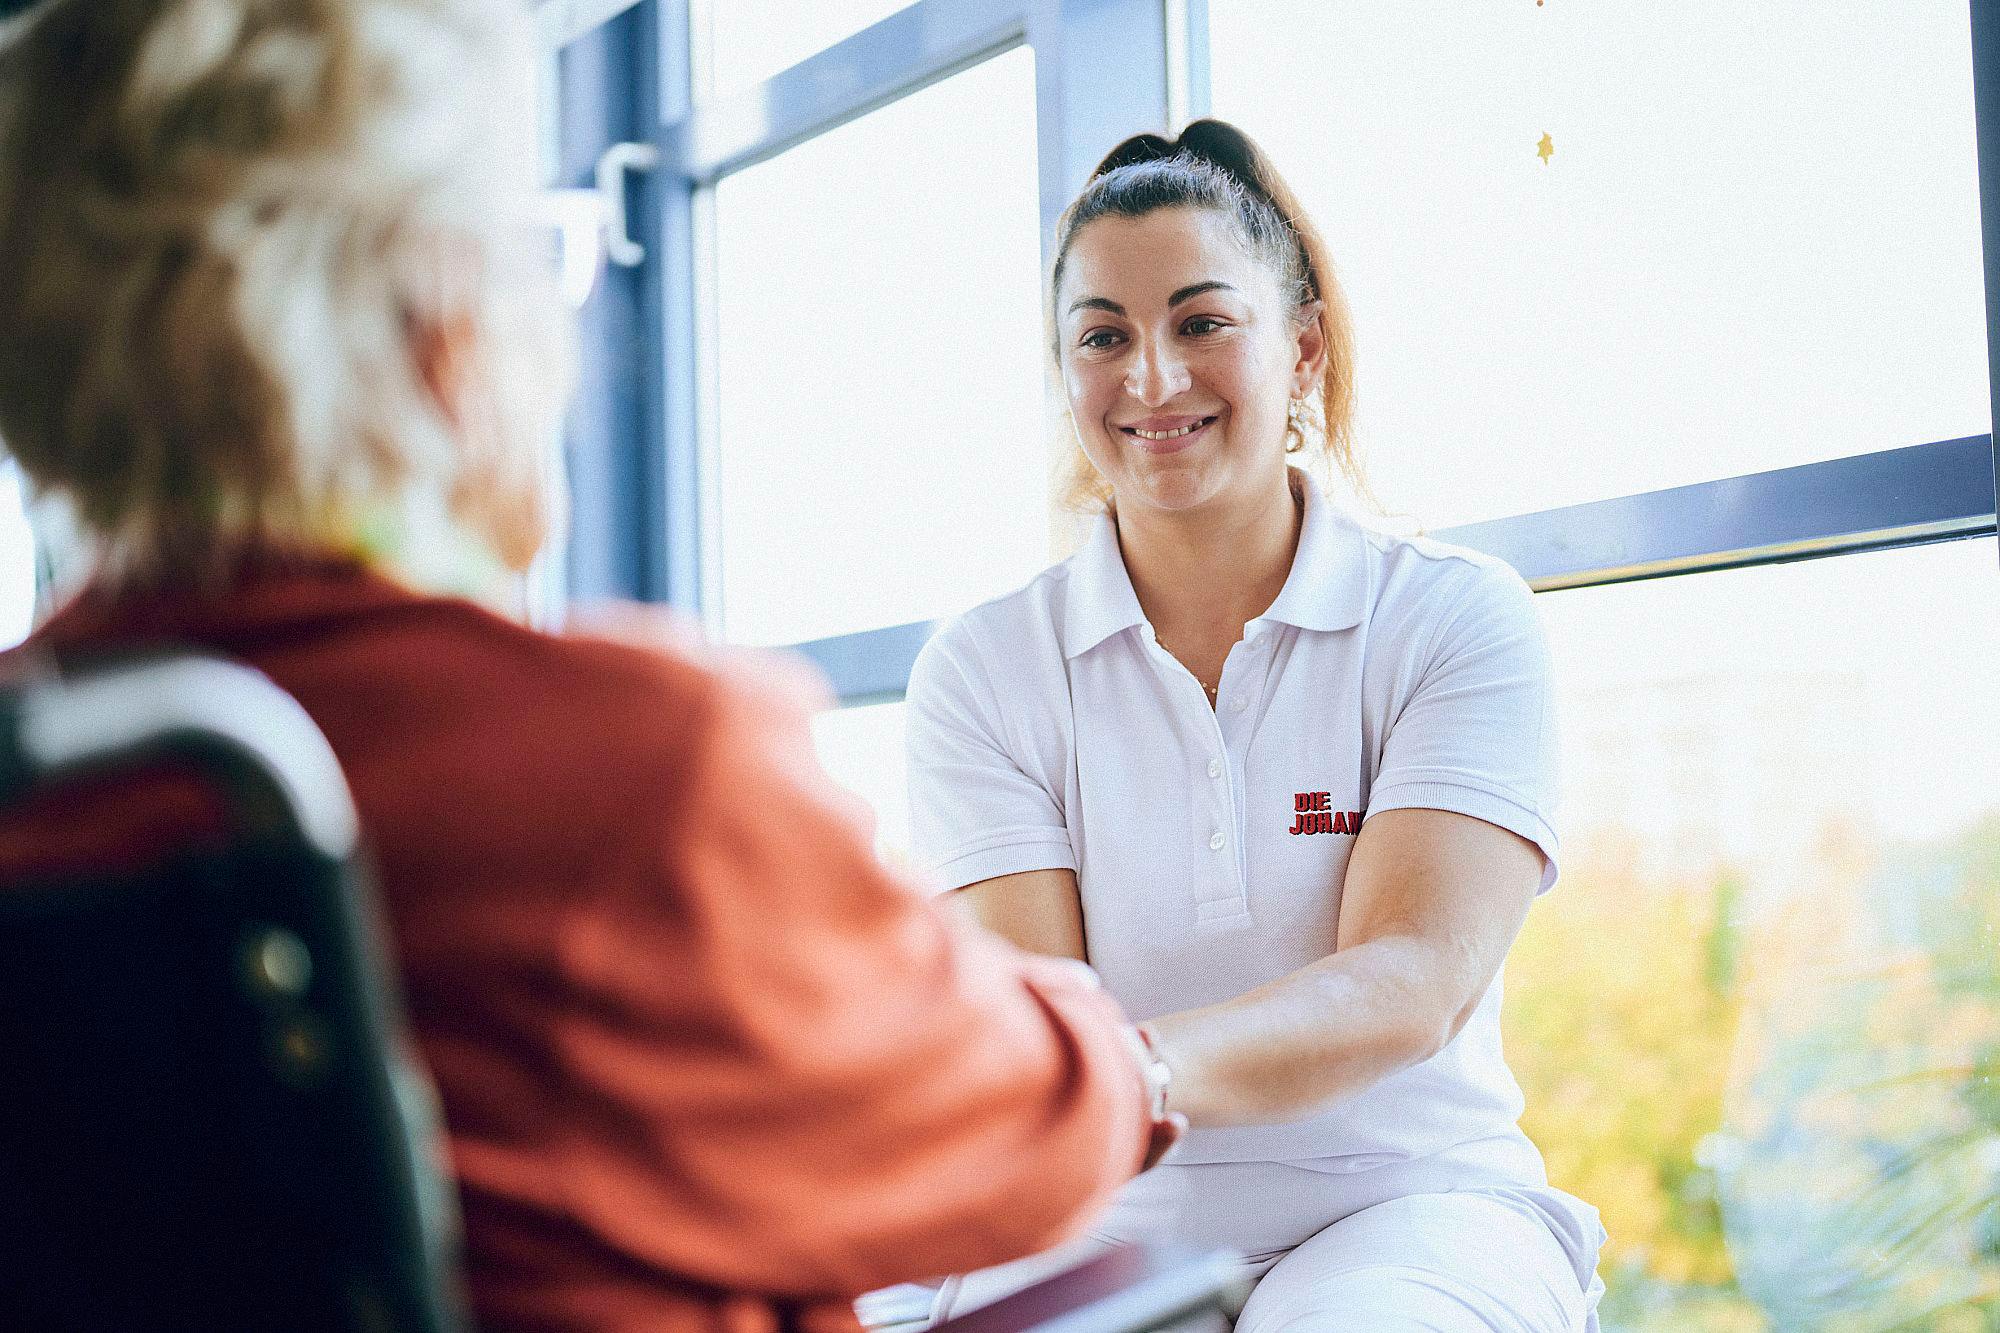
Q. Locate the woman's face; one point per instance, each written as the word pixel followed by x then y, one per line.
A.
pixel 1179 354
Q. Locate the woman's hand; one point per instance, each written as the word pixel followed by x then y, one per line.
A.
pixel 1168 1125
pixel 1167 1131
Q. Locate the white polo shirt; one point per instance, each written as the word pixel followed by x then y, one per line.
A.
pixel 1048 729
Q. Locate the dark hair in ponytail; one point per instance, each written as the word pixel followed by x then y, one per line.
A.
pixel 1215 166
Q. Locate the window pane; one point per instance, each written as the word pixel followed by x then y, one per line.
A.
pixel 1758 1022
pixel 863 749
pixel 754 39
pixel 882 434
pixel 1755 241
pixel 17 560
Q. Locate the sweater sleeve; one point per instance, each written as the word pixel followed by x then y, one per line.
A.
pixel 811 1079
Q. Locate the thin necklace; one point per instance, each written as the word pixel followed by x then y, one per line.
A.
pixel 1298 507
pixel 1211 689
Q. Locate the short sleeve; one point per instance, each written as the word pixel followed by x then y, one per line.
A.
pixel 1477 734
pixel 976 811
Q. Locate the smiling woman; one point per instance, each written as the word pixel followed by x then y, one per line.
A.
pixel 1285 781
pixel 1124 368
pixel 1220 174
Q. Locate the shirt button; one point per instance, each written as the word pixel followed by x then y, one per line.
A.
pixel 1215 768
pixel 1238 704
pixel 1215 843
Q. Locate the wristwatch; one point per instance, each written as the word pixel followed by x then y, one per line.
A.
pixel 1158 1073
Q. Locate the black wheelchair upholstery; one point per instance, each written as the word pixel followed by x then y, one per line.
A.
pixel 209 1120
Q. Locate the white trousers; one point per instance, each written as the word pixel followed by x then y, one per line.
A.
pixel 1469 1240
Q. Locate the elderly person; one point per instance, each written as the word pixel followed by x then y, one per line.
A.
pixel 266 325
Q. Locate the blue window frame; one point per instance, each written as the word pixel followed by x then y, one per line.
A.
pixel 643 515
pixel 1104 68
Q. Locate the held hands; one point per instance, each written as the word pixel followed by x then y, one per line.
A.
pixel 1166 1133
pixel 1143 1046
pixel 1168 1126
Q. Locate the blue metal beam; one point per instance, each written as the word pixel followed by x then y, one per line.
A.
pixel 872 666
pixel 614 500
pixel 1100 76
pixel 915 47
pixel 1190 18
pixel 560 22
pixel 1986 113
pixel 669 220
pixel 1898 497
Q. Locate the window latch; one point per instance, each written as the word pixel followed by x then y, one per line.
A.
pixel 590 222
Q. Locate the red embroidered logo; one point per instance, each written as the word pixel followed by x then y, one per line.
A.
pixel 1315 816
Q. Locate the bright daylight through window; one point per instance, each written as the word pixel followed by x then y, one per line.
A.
pixel 1595 250
pixel 1753 242
pixel 881 400
pixel 1758 1021
pixel 753 39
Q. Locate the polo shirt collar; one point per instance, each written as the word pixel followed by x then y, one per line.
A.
pixel 1327 588
pixel 1101 601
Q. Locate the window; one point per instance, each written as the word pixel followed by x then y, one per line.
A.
pixel 750 40
pixel 1758 1022
pixel 882 447
pixel 17 559
pixel 1754 241
pixel 862 747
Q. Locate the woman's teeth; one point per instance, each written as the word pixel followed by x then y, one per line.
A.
pixel 1171 434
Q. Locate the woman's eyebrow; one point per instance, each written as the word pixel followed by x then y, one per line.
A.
pixel 1096 303
pixel 1196 289
pixel 1186 293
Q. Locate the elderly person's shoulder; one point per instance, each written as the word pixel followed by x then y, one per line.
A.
pixel 619 684
pixel 449 717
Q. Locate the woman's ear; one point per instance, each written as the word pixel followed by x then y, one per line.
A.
pixel 499 492
pixel 442 355
pixel 1309 371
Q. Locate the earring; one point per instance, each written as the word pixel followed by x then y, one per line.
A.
pixel 1295 433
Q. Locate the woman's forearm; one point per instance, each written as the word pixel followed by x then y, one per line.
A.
pixel 1297 1045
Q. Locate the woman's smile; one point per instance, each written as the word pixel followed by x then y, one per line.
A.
pixel 1158 435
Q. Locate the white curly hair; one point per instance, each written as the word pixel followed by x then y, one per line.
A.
pixel 266 277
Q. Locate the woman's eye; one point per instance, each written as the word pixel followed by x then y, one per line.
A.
pixel 1098 339
pixel 1201 326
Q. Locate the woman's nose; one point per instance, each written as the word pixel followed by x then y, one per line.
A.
pixel 1156 377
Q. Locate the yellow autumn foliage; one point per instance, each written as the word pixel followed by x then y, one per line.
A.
pixel 1620 1034
pixel 1835 1054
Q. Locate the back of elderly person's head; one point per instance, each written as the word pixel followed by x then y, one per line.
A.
pixel 265 283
